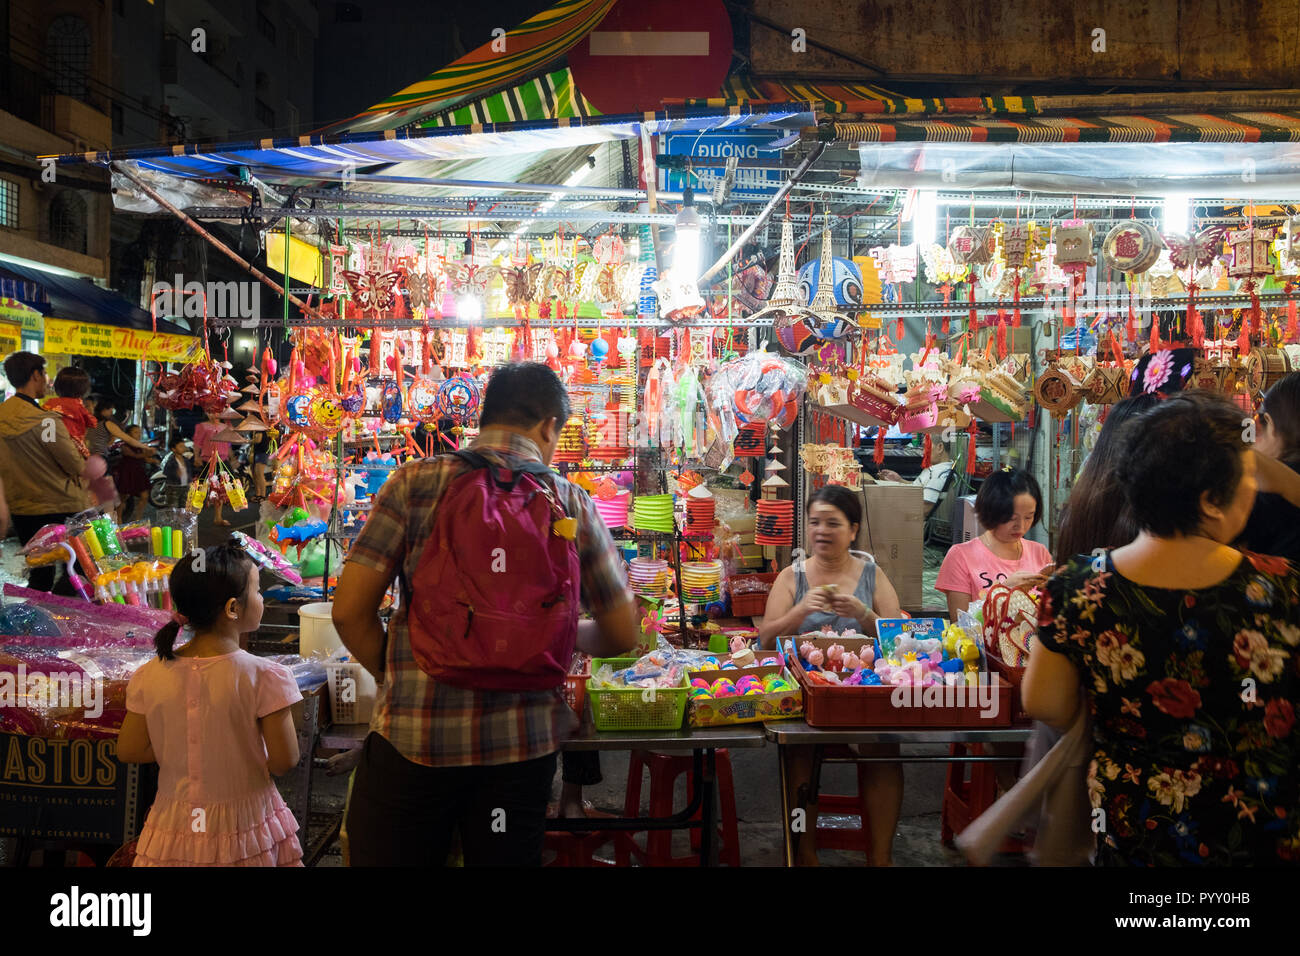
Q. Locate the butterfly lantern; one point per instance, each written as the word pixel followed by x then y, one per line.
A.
pixel 373 292
pixel 1193 252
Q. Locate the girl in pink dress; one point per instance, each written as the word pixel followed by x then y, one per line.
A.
pixel 217 721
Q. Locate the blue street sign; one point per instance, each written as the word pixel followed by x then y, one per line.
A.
pixel 713 149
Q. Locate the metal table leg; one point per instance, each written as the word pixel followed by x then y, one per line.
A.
pixel 787 835
pixel 708 807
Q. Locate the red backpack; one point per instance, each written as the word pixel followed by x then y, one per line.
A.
pixel 494 598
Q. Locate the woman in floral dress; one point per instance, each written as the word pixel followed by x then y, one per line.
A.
pixel 1189 653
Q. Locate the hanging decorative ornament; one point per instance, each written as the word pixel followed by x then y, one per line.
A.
pixel 828 323
pixel 458 399
pixel 1288 248
pixel 1249 248
pixel 391 402
pixel 971 245
pixel 1195 251
pixel 1132 247
pixel 940 267
pixel 895 264
pixel 789 320
pixel 1073 239
pixel 374 293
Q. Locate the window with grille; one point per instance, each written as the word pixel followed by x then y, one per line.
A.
pixel 8 204
pixel 67 55
pixel 68 221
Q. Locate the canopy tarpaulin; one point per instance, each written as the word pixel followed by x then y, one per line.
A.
pixel 308 156
pixel 67 297
pixel 523 52
pixel 1138 169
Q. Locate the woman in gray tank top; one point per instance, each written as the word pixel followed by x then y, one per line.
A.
pixel 845 590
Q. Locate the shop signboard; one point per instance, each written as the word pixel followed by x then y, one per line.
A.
pixel 11 337
pixel 66 789
pixel 109 341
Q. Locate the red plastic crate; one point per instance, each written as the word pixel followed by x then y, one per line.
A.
pixel 872 707
pixel 750 603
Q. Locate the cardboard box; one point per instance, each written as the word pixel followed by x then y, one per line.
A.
pixel 893 531
pixel 1018 339
pixel 778 705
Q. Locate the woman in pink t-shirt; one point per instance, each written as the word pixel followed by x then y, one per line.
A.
pixel 218 722
pixel 1008 504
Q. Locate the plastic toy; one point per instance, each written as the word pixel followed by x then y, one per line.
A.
pixel 724 688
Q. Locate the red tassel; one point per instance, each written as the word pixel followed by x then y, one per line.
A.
pixel 1015 302
pixel 1013 431
pixel 1002 338
pixel 1292 329
pixel 1243 340
pixel 1196 326
pixel 944 326
pixel 1155 333
pixel 1132 329
pixel 1033 416
pixel 879 455
pixel 898 330
pixel 974 320
pixel 970 448
pixel 929 447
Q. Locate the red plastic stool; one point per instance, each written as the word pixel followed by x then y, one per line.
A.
pixel 578 849
pixel 845 838
pixel 664 771
pixel 971 789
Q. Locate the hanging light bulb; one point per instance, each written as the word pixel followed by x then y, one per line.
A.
pixel 679 291
pixel 1176 215
pixel 686 252
pixel 925 218
pixel 469 308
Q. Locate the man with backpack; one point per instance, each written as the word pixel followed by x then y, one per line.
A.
pixel 494 553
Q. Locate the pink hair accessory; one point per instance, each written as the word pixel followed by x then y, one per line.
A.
pixel 180 618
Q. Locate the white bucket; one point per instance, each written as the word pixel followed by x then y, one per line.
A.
pixel 316 634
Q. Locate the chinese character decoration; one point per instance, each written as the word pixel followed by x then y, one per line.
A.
pixel 970 245
pixel 894 263
pixel 1251 264
pixel 1131 247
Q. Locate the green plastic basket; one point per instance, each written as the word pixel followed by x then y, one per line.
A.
pixel 631 708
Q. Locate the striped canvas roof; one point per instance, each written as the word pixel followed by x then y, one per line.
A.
pixel 1217 127
pixel 529 48
pixel 549 96
pixel 829 97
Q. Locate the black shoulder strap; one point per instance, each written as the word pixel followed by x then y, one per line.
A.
pixel 504 478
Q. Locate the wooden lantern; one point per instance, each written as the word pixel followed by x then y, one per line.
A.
pixel 1263 368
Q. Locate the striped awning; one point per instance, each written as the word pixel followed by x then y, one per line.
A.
pixel 529 48
pixel 1218 127
pixel 827 97
pixel 549 96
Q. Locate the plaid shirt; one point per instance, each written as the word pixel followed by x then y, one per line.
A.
pixel 442 726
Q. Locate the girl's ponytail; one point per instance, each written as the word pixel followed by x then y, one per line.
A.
pixel 165 640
